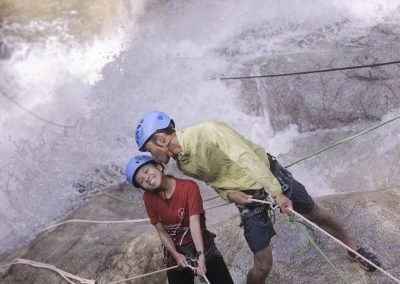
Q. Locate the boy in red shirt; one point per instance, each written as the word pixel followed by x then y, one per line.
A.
pixel 175 208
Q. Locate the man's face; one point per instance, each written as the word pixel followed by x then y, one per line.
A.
pixel 156 152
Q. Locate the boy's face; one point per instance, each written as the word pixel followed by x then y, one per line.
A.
pixel 149 177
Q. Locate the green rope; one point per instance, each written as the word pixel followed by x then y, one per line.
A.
pixel 119 198
pixel 343 141
pixel 211 198
pixel 318 249
pixel 138 203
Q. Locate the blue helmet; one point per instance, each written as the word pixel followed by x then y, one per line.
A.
pixel 133 166
pixel 150 124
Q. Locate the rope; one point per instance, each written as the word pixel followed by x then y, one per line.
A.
pixel 203 275
pixel 211 198
pixel 115 222
pixel 34 114
pixel 139 203
pixel 95 222
pixel 67 276
pixel 269 202
pixel 344 245
pixel 7 265
pixel 255 200
pixel 158 271
pixel 310 72
pixel 215 206
pixel 318 249
pixel 343 141
pixel 205 278
pixel 144 275
pixel 335 239
pixel 119 198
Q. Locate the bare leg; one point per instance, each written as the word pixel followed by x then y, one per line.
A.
pixel 261 268
pixel 327 221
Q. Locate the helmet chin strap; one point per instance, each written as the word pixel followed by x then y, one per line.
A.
pixel 166 150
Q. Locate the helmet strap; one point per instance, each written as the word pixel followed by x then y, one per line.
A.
pixel 166 149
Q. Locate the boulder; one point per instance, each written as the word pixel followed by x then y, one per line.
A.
pixel 111 252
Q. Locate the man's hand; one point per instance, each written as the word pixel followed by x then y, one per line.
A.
pixel 239 197
pixel 284 203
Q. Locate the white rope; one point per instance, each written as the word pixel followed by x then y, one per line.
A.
pixel 7 265
pixel 344 245
pixel 158 271
pixel 202 275
pixel 95 222
pixel 271 203
pixel 115 222
pixel 335 239
pixel 215 206
pixel 144 275
pixel 67 276
pixel 205 278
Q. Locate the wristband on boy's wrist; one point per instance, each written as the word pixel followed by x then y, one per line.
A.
pixel 199 252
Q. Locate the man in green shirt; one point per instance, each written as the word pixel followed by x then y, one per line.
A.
pixel 239 170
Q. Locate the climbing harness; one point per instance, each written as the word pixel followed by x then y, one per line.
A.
pixel 284 177
pixel 249 210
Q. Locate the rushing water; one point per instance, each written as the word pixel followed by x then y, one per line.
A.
pixel 77 75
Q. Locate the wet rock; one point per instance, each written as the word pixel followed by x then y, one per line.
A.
pixel 323 100
pixel 119 251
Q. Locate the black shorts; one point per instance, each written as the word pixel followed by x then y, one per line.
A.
pixel 217 272
pixel 258 228
pixel 294 190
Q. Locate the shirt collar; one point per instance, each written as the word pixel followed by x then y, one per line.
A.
pixel 185 154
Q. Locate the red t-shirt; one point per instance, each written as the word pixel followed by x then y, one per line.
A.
pixel 174 213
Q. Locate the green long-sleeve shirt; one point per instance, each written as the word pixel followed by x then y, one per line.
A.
pixel 218 155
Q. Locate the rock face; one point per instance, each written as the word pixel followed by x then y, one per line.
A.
pixel 323 100
pixel 114 252
pixel 371 220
